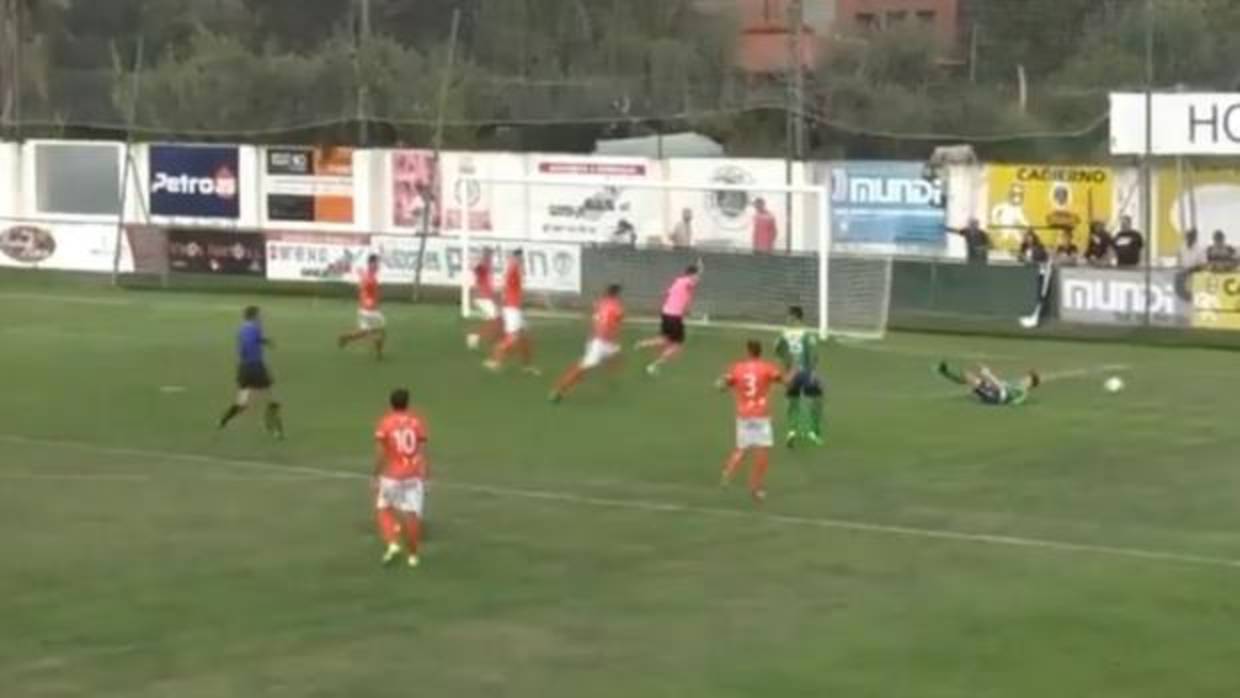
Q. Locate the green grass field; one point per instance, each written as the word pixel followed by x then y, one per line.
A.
pixel 1084 545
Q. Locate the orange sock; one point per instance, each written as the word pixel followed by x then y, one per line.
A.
pixel 501 349
pixel 757 476
pixel 569 379
pixel 389 526
pixel 733 464
pixel 525 350
pixel 413 531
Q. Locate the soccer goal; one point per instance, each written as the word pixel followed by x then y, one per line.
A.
pixel 763 247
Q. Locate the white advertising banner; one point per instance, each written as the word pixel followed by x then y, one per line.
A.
pixel 293 256
pixel 726 219
pixel 1189 123
pixel 63 246
pixel 600 208
pixel 315 256
pixel 549 266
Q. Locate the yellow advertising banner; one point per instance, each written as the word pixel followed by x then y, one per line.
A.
pixel 1205 199
pixel 1216 300
pixel 1048 198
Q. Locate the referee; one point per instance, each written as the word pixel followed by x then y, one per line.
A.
pixel 252 374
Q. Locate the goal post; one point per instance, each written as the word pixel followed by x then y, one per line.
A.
pixel 764 247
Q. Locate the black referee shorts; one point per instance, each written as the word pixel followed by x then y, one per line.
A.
pixel 254 376
pixel 672 328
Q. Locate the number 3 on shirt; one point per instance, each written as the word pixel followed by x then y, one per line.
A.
pixel 750 385
pixel 406 441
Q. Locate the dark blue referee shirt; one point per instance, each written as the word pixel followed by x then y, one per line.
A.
pixel 250 343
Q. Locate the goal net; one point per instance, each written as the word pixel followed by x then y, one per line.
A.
pixel 763 247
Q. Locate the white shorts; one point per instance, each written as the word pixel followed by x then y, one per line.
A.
pixel 486 308
pixel 598 351
pixel 754 433
pixel 402 495
pixel 514 320
pixel 369 320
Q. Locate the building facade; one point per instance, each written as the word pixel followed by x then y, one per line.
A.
pixel 942 15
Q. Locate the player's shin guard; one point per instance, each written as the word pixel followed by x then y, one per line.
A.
pixel 815 416
pixel 732 465
pixel 794 415
pixel 274 423
pixel 413 533
pixel 950 374
pixel 757 474
pixel 570 378
pixel 389 526
pixel 232 411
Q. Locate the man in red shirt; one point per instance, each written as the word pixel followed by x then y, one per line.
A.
pixel 400 476
pixel 604 345
pixel 515 335
pixel 370 321
pixel 750 381
pixel 765 229
pixel 483 294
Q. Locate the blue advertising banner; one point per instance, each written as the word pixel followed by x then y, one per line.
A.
pixel 197 181
pixel 886 202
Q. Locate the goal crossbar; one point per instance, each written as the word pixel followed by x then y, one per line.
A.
pixel 820 194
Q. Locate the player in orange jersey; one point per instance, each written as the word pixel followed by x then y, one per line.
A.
pixel 750 381
pixel 370 321
pixel 400 478
pixel 515 334
pixel 604 344
pixel 484 302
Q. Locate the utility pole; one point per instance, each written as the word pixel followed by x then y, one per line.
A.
pixel 794 107
pixel 796 81
pixel 361 41
pixel 1147 179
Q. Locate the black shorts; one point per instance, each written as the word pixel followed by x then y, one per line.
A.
pixel 254 376
pixel 672 328
pixel 804 383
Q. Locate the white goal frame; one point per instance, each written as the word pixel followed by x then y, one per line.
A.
pixel 822 213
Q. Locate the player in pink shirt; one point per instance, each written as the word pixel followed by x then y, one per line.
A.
pixel 765 229
pixel 676 304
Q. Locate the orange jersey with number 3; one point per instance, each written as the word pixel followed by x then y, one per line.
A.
pixel 368 291
pixel 750 381
pixel 403 438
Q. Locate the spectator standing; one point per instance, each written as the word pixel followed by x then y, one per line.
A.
pixel 1066 252
pixel 976 241
pixel 1098 249
pixel 765 229
pixel 682 234
pixel 1032 251
pixel 1128 244
pixel 1192 255
pixel 1220 256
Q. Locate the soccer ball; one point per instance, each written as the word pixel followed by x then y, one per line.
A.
pixel 1114 384
pixel 472 341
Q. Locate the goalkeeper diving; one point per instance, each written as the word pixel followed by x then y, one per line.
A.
pixel 989 388
pixel 797 349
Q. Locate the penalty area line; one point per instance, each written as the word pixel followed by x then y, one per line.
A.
pixel 670 507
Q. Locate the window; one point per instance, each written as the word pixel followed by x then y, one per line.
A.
pixel 78 178
pixel 867 20
pixel 925 16
pixel 896 16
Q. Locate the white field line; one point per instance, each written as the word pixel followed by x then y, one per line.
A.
pixel 573 499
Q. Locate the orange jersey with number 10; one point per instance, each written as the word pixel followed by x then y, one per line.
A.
pixel 750 381
pixel 403 438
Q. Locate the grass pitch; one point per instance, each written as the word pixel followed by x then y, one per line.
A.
pixel 1086 544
